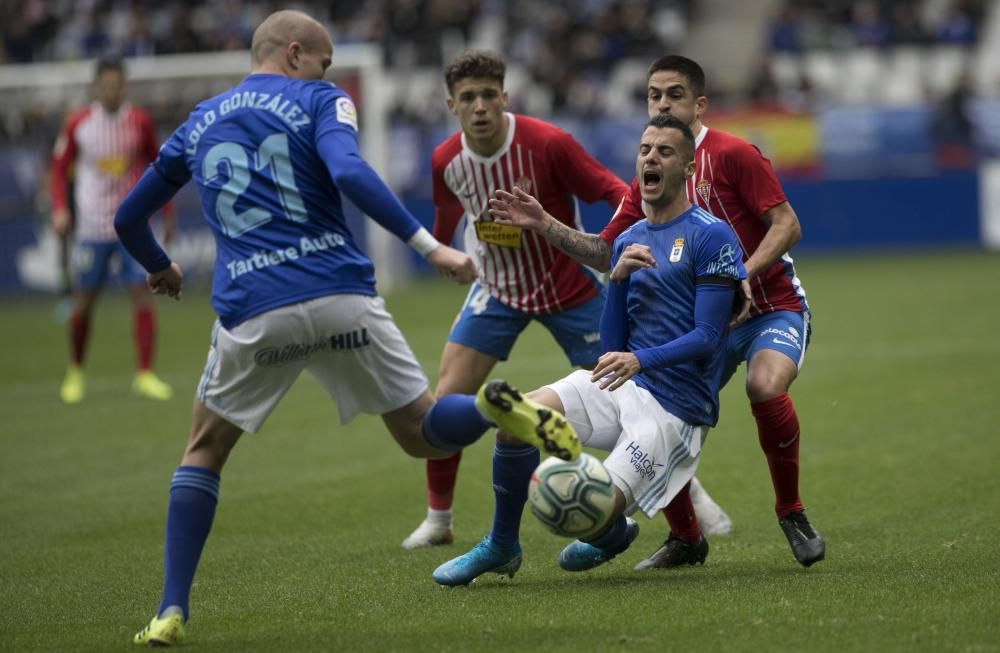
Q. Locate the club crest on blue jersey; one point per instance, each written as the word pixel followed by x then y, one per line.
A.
pixel 677 250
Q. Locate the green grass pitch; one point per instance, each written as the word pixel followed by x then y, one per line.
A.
pixel 900 409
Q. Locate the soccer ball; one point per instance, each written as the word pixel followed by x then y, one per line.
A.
pixel 573 499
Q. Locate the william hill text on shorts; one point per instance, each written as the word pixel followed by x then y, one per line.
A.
pixel 264 259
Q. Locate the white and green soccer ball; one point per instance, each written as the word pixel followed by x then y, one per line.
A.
pixel 572 498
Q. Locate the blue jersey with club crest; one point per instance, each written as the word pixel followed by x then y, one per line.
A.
pixel 661 305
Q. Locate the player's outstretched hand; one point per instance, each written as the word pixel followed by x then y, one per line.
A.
pixel 741 307
pixel 453 264
pixel 614 368
pixel 635 257
pixel 518 209
pixel 167 281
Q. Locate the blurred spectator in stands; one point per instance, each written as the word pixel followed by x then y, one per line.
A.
pixel 784 31
pixel 18 43
pixel 636 30
pixel 953 126
pixel 958 26
pixel 139 41
pixel 868 26
pixel 232 25
pixel 907 26
pixel 94 41
pixel 181 36
pixel 764 89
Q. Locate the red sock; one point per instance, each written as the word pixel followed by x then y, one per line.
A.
pixel 778 432
pixel 144 321
pixel 680 515
pixel 441 475
pixel 79 330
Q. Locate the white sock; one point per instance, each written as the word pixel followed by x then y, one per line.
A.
pixel 439 517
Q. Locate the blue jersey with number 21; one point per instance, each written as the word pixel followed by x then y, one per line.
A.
pixel 278 218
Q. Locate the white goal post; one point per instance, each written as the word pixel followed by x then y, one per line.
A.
pixel 185 79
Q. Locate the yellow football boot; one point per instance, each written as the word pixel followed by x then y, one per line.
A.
pixel 168 631
pixel 147 384
pixel 73 386
pixel 527 420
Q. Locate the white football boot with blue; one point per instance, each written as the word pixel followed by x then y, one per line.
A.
pixel 483 558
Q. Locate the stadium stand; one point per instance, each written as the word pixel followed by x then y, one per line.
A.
pixel 881 87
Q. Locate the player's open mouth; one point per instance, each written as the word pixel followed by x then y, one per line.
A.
pixel 650 179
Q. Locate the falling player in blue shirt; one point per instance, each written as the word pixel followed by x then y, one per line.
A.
pixel 271 159
pixel 655 391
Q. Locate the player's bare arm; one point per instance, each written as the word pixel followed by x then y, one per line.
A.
pixel 783 233
pixel 635 257
pixel 522 210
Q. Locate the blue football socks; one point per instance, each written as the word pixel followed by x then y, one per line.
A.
pixel 513 465
pixel 454 423
pixel 194 493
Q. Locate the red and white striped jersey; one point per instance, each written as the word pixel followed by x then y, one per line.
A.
pixel 519 267
pixel 732 180
pixel 107 152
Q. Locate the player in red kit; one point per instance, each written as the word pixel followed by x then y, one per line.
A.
pixel 522 276
pixel 735 182
pixel 106 146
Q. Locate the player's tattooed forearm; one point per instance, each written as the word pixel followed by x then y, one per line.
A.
pixel 588 249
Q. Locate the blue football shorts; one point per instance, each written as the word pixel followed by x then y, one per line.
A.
pixel 786 332
pixel 93 261
pixel 486 325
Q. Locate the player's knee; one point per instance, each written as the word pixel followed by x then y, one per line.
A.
pixel 764 386
pixel 547 397
pixel 769 376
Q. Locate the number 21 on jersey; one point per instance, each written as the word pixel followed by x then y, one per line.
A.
pixel 272 155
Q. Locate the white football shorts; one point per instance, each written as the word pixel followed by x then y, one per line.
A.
pixel 653 452
pixel 349 343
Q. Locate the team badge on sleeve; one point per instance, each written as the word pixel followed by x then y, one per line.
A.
pixel 677 250
pixel 346 112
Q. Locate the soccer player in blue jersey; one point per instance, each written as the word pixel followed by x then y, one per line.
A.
pixel 271 159
pixel 655 391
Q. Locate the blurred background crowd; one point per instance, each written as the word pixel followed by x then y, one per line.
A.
pixel 571 52
pixel 855 90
